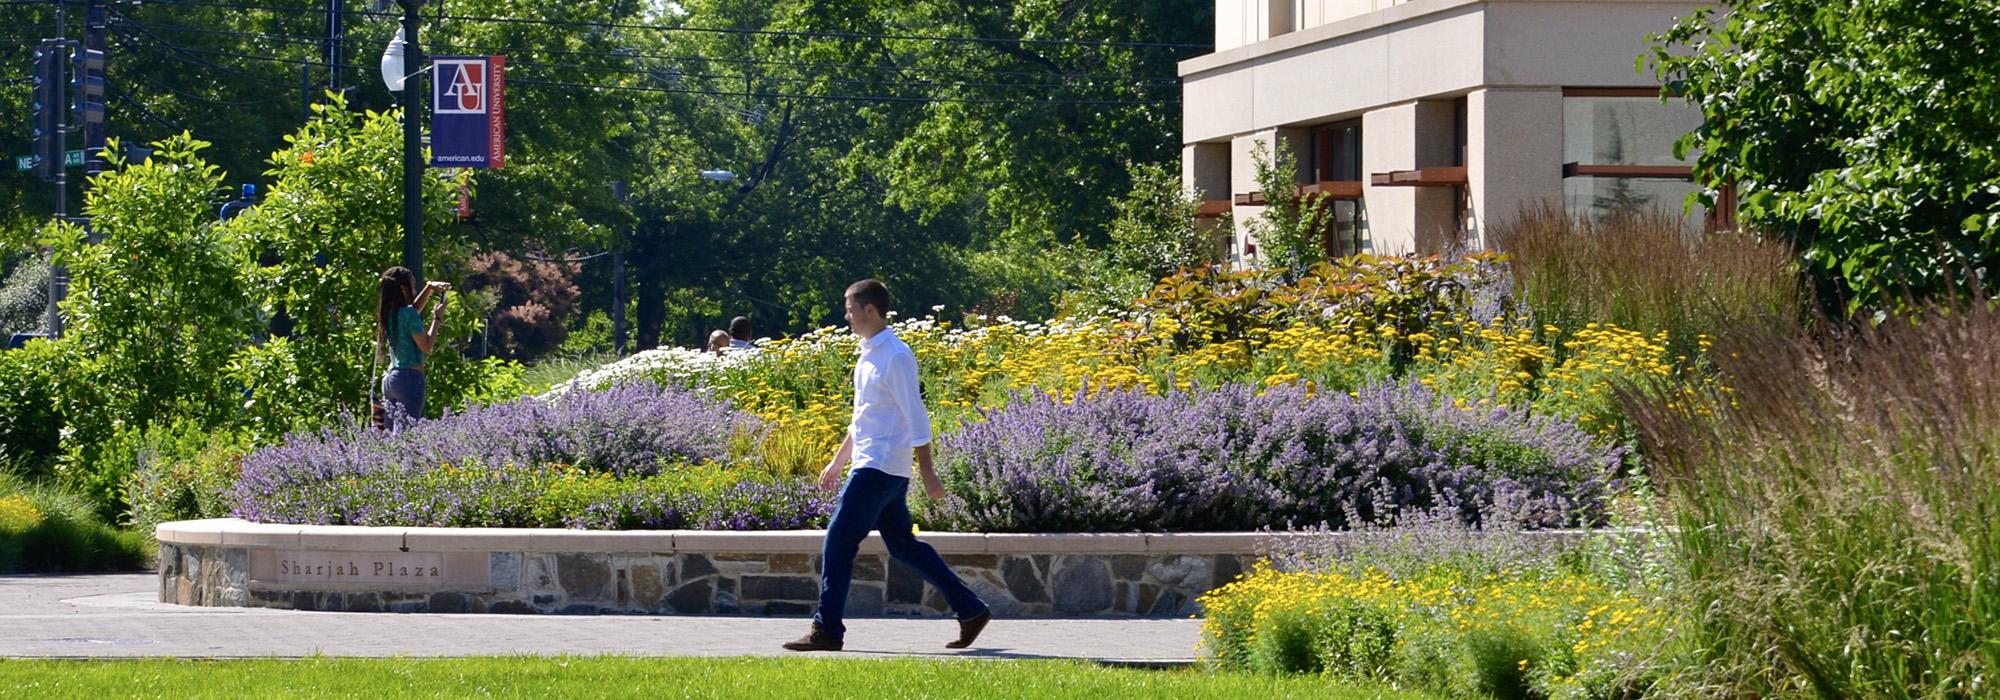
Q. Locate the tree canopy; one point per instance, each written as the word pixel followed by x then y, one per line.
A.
pixel 912 141
pixel 1867 131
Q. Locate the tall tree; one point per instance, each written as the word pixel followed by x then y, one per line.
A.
pixel 1865 130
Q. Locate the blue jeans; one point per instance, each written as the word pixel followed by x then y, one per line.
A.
pixel 873 500
pixel 404 387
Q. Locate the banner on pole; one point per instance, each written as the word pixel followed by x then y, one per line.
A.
pixel 468 111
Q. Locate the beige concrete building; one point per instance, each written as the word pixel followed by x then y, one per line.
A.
pixel 1424 120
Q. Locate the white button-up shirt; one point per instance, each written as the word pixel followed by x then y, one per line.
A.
pixel 889 416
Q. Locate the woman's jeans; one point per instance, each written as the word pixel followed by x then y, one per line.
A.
pixel 404 387
pixel 873 500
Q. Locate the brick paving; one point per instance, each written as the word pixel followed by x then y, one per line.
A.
pixel 116 615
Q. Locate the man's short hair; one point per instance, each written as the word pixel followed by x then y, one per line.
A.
pixel 870 292
pixel 739 328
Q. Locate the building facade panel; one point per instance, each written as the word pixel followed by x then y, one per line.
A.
pixel 1459 107
pixel 1514 153
pixel 1544 43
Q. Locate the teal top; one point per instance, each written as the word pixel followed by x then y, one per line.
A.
pixel 403 348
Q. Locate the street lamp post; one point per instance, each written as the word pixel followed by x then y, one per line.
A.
pixel 403 71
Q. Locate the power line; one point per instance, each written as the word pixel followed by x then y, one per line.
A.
pixel 189 53
pixel 818 35
pixel 126 20
pixel 717 93
pixel 813 80
pixel 797 64
pixel 799 34
pixel 838 98
pixel 627 54
pixel 197 98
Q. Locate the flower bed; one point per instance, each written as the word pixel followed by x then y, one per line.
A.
pixel 1341 327
pixel 647 457
pixel 635 456
pixel 1223 401
pixel 1234 459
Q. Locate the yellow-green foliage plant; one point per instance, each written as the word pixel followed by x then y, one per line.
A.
pixel 1549 632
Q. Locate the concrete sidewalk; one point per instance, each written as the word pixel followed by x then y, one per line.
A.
pixel 116 615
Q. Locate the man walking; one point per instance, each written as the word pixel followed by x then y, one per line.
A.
pixel 889 423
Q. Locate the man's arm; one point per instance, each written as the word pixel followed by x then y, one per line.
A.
pixel 910 398
pixel 829 478
pixel 933 486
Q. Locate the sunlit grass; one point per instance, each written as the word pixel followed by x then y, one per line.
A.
pixel 620 677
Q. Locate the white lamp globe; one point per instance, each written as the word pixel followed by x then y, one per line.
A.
pixel 393 73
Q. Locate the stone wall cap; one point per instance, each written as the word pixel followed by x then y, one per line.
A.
pixel 1066 542
pixel 459 539
pixel 234 532
pixel 1207 542
pixel 194 531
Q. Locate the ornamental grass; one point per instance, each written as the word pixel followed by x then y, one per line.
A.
pixel 1647 271
pixel 1837 507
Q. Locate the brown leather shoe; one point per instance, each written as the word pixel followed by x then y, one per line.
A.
pixel 816 640
pixel 969 629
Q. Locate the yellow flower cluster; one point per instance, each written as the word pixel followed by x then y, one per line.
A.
pixel 1576 623
pixel 1338 329
pixel 18 514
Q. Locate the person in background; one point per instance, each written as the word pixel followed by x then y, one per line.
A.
pixel 739 333
pixel 718 341
pixel 400 334
pixel 890 427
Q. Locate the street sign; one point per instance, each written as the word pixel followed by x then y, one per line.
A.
pixel 72 159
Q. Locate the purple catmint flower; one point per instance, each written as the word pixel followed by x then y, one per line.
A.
pixel 1233 459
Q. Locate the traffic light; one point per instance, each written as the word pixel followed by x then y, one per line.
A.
pixel 45 112
pixel 88 88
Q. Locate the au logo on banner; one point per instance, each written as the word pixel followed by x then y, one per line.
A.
pixel 468 114
pixel 465 93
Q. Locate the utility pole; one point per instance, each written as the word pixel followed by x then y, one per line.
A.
pixel 332 50
pixel 413 149
pixel 334 46
pixel 618 279
pixel 90 82
pixel 58 276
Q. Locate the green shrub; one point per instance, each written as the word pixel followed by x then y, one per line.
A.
pixel 44 529
pixel 1494 662
pixel 24 292
pixel 183 475
pixel 30 424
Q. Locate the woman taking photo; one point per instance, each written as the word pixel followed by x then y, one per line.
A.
pixel 400 334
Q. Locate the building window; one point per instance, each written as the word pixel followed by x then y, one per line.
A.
pixel 1336 172
pixel 1618 153
pixel 1336 152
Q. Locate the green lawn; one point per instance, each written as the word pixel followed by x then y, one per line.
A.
pixel 621 677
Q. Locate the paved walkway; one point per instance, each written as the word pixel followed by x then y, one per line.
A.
pixel 115 615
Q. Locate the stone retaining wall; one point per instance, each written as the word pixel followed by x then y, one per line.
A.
pixel 237 563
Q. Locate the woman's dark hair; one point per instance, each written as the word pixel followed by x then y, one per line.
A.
pixel 397 289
